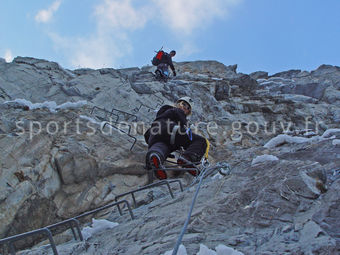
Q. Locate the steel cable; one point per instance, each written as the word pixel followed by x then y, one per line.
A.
pixel 207 171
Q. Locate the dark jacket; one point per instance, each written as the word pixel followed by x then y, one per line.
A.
pixel 167 59
pixel 167 117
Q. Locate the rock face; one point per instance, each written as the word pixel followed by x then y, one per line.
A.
pixel 58 158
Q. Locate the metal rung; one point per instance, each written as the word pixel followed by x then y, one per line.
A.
pixel 137 109
pixel 178 169
pixel 160 103
pixel 152 185
pixel 106 113
pixel 125 113
pixel 47 230
pixel 161 100
pixel 69 222
pixel 106 207
pixel 112 113
pixel 135 139
pixel 116 121
pixel 15 238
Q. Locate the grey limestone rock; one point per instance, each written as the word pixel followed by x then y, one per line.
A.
pixel 287 74
pixel 259 75
pixel 56 164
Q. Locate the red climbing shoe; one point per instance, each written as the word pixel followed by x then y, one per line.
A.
pixel 155 164
pixel 186 165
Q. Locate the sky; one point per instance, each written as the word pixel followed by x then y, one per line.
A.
pixel 257 35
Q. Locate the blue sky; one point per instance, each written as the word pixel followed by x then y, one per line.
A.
pixel 269 35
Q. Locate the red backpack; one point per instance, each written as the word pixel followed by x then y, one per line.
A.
pixel 157 59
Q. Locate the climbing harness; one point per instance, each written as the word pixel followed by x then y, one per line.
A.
pixel 173 134
pixel 206 154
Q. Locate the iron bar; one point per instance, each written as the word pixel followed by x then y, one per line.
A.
pixel 11 248
pixel 106 207
pixel 179 182
pixel 126 113
pixel 69 222
pixel 106 113
pixel 161 100
pixel 47 230
pixel 73 232
pixel 146 106
pixel 135 139
pixel 134 200
pixel 179 169
pixel 14 238
pixel 78 229
pixel 152 185
pixel 50 237
pixel 126 124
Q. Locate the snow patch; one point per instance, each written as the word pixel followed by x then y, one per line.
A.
pixel 265 83
pixel 329 132
pixel 97 226
pixel 225 250
pixel 181 251
pixel 202 75
pixel 51 105
pixel 263 158
pixel 309 133
pixel 102 125
pixel 284 138
pixel 217 176
pixel 280 79
pixel 220 250
pixel 72 105
pixel 281 139
pixel 336 142
pixel 204 250
pixel 92 120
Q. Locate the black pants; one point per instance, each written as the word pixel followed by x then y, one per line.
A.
pixel 194 149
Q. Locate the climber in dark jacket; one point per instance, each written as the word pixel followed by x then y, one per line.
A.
pixel 169 132
pixel 165 62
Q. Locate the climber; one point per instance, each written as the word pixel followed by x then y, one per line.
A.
pixel 169 132
pixel 163 60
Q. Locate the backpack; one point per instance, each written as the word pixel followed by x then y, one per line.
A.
pixel 157 59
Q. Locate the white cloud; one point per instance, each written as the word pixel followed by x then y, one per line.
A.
pixel 44 16
pixel 8 56
pixel 98 51
pixel 109 43
pixel 188 48
pixel 120 14
pixel 116 19
pixel 186 15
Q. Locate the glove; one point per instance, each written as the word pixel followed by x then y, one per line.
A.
pixel 189 133
pixel 174 73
